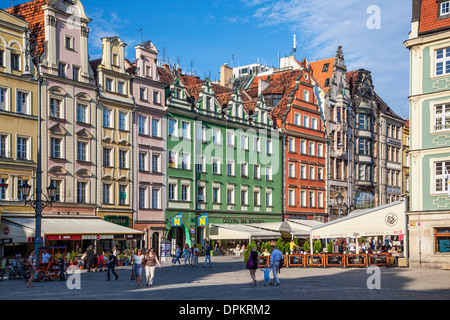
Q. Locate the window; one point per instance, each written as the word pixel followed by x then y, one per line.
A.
pixel 320 173
pixel 311 148
pixel 122 121
pixel 256 198
pixel 268 173
pixel 156 97
pixel 302 146
pixel 302 171
pixel 320 199
pixel 22 102
pixel 230 195
pixel 2 57
pixel 115 60
pixel 244 197
pixel 184 159
pixel 155 163
pixel 230 167
pixel 155 199
pixel 442 240
pixel 208 103
pixel 155 127
pixel 3 97
pixel 75 73
pixel 338 114
pixel 365 122
pixel 201 194
pixel 81 192
pixel 306 95
pixel 122 159
pixel 173 159
pixel 82 151
pixel 291 144
pixel 185 192
pixel 365 173
pixel 107 199
pixel 142 161
pixel 22 148
pixel 320 150
pixel 201 163
pixel 314 123
pixel 312 202
pixel 142 125
pixel 441 170
pixel 143 93
pixel 216 166
pixel 173 128
pixel 107 159
pixel 201 133
pixel 142 198
pixel 55 108
pixel 108 85
pixel 256 171
pixel 244 169
pixel 81 113
pixel 297 119
pixel 256 144
pixel 291 171
pixel 4 144
pixel 122 194
pixel 172 191
pixel 445 8
pixel 216 194
pixel 20 183
pixel 69 42
pixel 57 185
pixel 269 146
pixel 327 82
pixel 365 147
pixel 306 121
pixel 107 118
pixel 442 61
pixel 216 136
pixel 302 198
pixel 230 138
pixel 325 67
pixel 312 173
pixel 244 142
pixel 120 87
pixel 268 198
pixel 15 61
pixel 291 197
pixel 62 70
pixel 185 132
pixel 442 117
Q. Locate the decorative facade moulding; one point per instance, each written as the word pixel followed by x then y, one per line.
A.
pixel 51 21
pixel 84 31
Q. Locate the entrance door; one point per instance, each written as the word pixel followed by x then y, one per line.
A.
pixel 177 237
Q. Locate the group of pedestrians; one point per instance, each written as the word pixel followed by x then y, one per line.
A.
pixel 191 255
pixel 276 259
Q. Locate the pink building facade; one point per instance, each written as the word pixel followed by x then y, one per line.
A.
pixel 149 153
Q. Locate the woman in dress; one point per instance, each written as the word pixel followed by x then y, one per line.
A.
pixel 138 266
pixel 150 262
pixel 254 256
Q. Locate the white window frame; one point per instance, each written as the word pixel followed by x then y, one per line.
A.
pixel 444 8
pixel 5 99
pixel 444 60
pixel 441 177
pixel 291 197
pixel 442 120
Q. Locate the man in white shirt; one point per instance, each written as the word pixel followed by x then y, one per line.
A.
pixel 45 257
pixel 275 264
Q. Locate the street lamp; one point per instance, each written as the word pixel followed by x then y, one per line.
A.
pixel 38 204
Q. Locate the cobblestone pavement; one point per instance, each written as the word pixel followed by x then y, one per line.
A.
pixel 228 280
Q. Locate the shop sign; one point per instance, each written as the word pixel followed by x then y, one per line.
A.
pixel 6 231
pixel 176 221
pixel 242 220
pixel 64 237
pixel 203 220
pixel 97 237
pixel 32 239
pixel 123 221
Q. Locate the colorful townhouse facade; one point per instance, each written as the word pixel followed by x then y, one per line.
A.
pixel 429 205
pixel 222 159
pixel 149 148
pixel 18 119
pixel 406 159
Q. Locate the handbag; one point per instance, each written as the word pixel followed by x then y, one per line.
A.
pixel 249 263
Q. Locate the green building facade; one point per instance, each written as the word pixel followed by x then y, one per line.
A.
pixel 224 161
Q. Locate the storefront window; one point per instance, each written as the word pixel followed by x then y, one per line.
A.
pixel 442 240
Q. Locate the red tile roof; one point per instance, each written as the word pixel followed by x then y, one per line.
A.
pixel 429 14
pixel 319 74
pixel 34 15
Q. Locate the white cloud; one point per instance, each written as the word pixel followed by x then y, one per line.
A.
pixel 322 25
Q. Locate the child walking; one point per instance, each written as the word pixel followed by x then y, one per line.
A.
pixel 266 271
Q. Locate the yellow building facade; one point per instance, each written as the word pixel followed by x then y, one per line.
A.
pixel 115 138
pixel 18 115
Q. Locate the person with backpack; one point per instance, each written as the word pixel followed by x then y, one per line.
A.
pixel 275 260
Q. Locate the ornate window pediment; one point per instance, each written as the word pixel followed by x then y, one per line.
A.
pixel 57 91
pixel 84 134
pixel 84 173
pixel 58 129
pixel 57 170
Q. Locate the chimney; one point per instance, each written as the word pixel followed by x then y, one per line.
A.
pixel 226 76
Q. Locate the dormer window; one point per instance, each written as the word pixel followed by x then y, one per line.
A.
pixel 148 72
pixel 115 60
pixel 325 67
pixel 444 8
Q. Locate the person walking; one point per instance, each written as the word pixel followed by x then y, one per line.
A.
pixel 32 263
pixel 275 259
pixel 187 255
pixel 207 254
pixel 195 255
pixel 150 262
pixel 112 260
pixel 254 258
pixel 138 266
pixel 177 256
pixel 217 249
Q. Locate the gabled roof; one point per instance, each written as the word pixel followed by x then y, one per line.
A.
pixel 429 17
pixel 32 13
pixel 319 73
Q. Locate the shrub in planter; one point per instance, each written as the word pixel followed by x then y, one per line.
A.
pixel 306 247
pixel 317 246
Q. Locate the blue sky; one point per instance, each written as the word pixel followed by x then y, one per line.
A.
pixel 208 33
